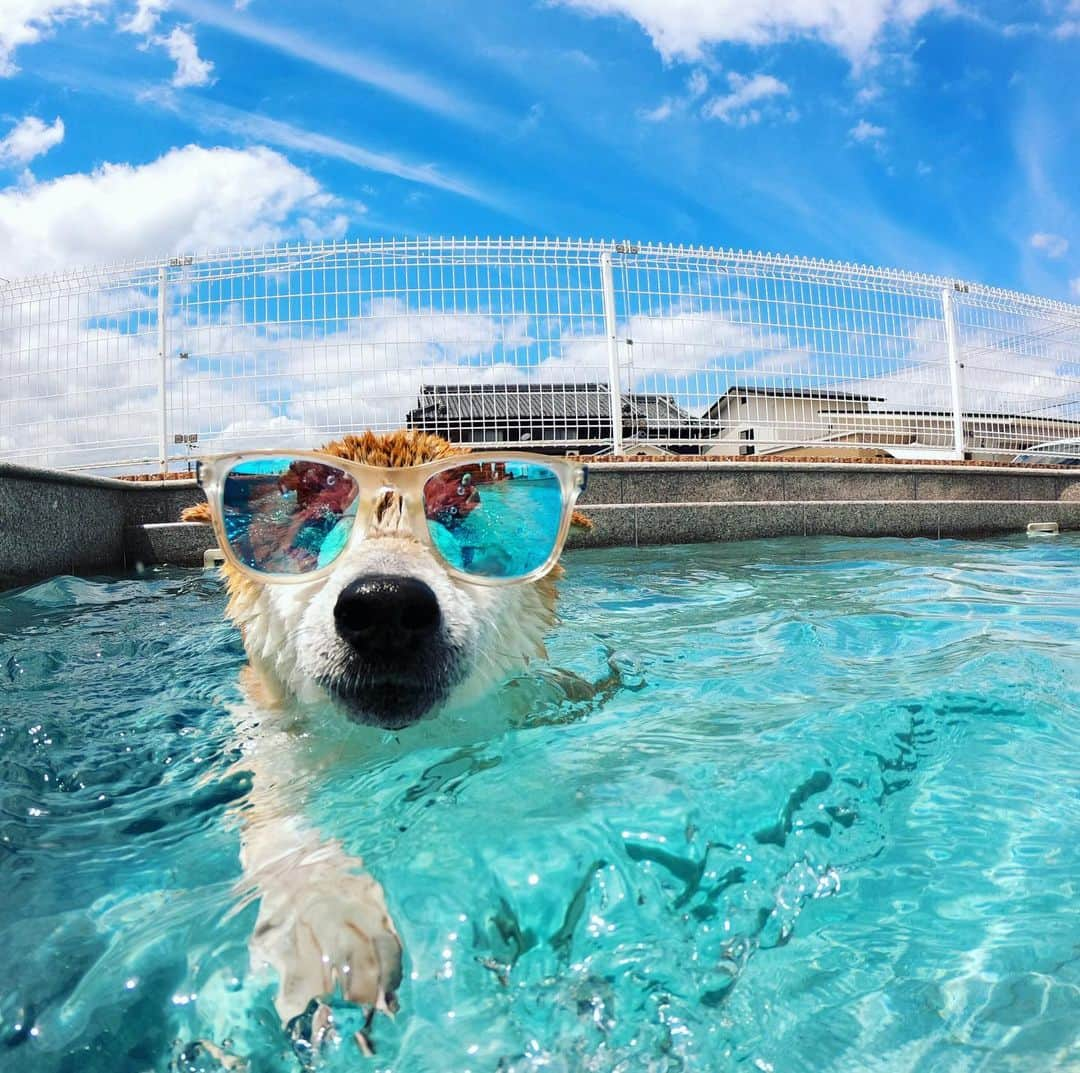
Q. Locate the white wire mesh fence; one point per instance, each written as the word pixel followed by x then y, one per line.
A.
pixel 557 345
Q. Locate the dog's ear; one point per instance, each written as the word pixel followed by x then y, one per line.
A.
pixel 581 521
pixel 198 513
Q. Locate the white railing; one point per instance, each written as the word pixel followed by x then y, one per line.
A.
pixel 560 345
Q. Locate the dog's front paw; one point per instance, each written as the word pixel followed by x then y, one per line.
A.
pixel 326 931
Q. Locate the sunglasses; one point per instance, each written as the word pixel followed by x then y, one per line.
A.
pixel 491 517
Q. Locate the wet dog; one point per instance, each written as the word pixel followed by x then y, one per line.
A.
pixel 387 637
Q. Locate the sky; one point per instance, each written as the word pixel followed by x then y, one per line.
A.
pixel 933 135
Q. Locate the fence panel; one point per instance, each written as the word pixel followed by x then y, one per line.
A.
pixel 1021 373
pixel 555 345
pixel 764 354
pixel 79 375
pixel 297 347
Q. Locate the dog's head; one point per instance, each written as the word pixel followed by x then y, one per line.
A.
pixel 387 634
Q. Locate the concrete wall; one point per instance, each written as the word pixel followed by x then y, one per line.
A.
pixel 699 502
pixel 57 523
pixel 53 523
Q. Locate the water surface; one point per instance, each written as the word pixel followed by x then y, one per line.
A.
pixel 794 805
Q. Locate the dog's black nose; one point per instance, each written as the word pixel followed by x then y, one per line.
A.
pixel 383 614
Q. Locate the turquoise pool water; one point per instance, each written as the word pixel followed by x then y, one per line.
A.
pixel 778 806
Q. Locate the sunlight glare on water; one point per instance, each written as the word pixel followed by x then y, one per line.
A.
pixel 777 806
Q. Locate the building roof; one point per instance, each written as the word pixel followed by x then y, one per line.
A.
pixel 483 403
pixel 797 393
pixel 812 394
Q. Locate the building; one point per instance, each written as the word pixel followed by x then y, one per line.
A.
pixel 563 417
pixel 995 437
pixel 745 420
pixel 775 421
pixel 752 419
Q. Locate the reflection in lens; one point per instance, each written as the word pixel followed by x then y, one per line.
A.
pixel 288 515
pixel 494 519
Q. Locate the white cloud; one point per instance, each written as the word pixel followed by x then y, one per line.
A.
pixel 1052 245
pixel 189 199
pixel 29 138
pixel 1074 286
pixel 697 85
pixel 737 106
pixel 683 29
pixel 179 43
pixel 191 68
pixel 246 383
pixel 658 114
pixel 210 115
pixel 1070 25
pixel 675 347
pixel 24 22
pixel 864 131
pixel 369 70
pixel 144 19
pixel 683 339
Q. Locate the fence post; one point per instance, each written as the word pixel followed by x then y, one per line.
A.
pixel 952 344
pixel 163 343
pixel 611 328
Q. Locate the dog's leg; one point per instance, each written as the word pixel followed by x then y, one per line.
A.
pixel 322 926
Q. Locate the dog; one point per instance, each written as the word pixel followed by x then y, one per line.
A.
pixel 387 637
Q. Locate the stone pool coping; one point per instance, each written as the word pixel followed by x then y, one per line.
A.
pixel 53 522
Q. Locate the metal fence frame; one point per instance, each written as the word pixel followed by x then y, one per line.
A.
pixel 86 353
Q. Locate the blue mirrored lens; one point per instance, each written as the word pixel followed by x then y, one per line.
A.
pixel 288 515
pixel 494 519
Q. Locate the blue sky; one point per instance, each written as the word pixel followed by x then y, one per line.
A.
pixel 924 134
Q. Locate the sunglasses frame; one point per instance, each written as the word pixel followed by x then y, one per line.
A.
pixel 372 483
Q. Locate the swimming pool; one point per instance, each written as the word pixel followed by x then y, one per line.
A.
pixel 778 806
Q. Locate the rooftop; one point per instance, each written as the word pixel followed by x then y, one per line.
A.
pixel 797 393
pixel 541 402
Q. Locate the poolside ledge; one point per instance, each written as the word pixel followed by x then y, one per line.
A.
pixel 53 522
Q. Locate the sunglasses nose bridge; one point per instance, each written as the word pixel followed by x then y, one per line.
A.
pixel 387 509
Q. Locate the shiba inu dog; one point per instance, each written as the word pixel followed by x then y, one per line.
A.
pixel 386 576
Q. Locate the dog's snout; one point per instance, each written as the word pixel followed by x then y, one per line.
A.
pixel 385 613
